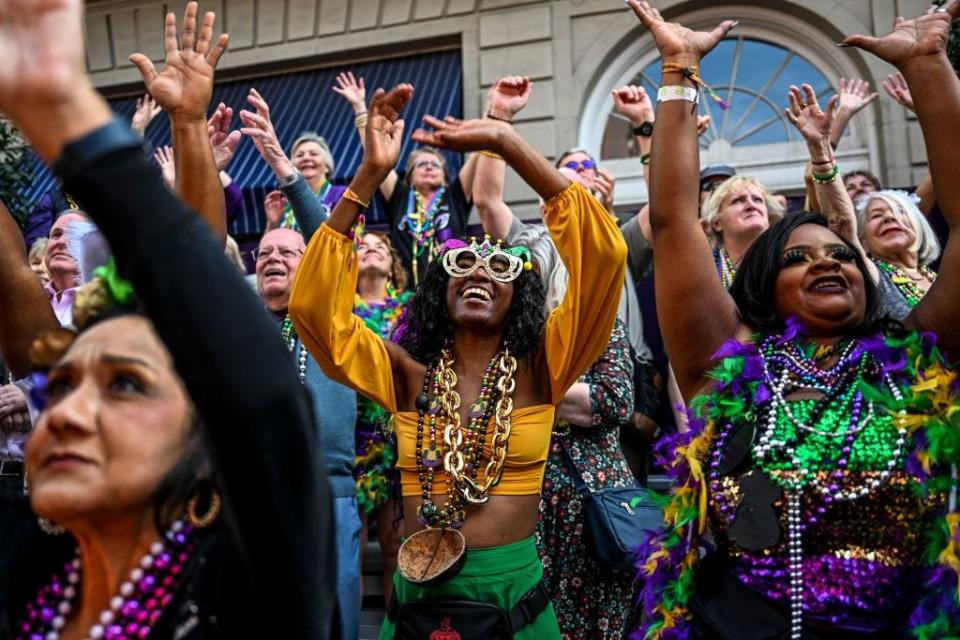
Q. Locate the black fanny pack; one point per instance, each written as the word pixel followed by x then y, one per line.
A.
pixel 464 619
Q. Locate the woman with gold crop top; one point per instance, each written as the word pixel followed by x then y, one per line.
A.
pixel 473 380
pixel 812 495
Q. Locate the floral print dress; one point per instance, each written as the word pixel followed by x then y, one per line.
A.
pixel 591 600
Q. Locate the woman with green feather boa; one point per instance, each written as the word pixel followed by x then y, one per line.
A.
pixel 813 495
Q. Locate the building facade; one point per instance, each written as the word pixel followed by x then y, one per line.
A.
pixel 576 52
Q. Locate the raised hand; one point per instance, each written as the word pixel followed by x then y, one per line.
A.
pixel 147 110
pixel 384 133
pixel 703 124
pixel 633 103
pixel 273 206
pixel 168 167
pixel 508 96
pixel 259 128
pixel 14 414
pixel 462 135
pixel 604 183
pixel 185 85
pixel 353 90
pixel 41 50
pixel 223 141
pixel 813 123
pixel 911 39
pixel 895 86
pixel 674 41
pixel 854 96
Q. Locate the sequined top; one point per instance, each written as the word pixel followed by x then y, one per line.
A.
pixel 861 557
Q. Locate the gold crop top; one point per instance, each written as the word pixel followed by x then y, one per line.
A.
pixel 575 334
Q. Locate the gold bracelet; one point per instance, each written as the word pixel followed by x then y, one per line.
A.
pixel 350 194
pixel 491 154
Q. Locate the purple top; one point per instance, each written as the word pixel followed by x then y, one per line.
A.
pixel 861 559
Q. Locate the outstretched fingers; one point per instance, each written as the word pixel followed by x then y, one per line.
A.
pixel 206 33
pixel 810 96
pixel 214 56
pixel 189 37
pixel 171 43
pixel 145 65
pixel 649 16
pixel 390 104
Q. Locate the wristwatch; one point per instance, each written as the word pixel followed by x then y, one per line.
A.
pixel 645 129
pixel 290 179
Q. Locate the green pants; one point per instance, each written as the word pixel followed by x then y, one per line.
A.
pixel 498 575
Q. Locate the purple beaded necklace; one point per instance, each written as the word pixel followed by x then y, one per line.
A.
pixel 132 612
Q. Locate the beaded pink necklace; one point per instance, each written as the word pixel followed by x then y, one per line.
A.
pixel 133 611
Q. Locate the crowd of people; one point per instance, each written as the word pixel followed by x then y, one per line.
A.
pixel 186 456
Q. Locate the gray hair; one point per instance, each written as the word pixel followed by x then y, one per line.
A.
pixel 536 238
pixel 325 153
pixel 925 244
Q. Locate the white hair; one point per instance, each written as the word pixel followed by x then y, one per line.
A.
pixel 325 153
pixel 925 244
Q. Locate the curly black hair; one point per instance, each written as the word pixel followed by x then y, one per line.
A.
pixel 426 324
pixel 753 287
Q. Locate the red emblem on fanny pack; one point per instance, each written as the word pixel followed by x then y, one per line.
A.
pixel 445 632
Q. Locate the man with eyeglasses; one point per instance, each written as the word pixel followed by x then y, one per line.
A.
pixel 334 411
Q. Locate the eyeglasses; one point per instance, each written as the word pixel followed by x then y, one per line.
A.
pixel 499 265
pixel 589 163
pixel 433 164
pixel 287 254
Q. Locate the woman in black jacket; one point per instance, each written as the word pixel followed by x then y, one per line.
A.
pixel 173 479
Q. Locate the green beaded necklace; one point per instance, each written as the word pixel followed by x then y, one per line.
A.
pixel 904 283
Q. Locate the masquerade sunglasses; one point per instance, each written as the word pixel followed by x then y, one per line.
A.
pixel 460 260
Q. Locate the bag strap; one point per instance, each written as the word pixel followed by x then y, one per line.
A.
pixel 531 605
pixel 578 482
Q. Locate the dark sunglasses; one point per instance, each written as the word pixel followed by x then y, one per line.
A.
pixel 576 166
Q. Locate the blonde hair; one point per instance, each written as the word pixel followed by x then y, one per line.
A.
pixel 925 245
pixel 38 248
pixel 710 210
pixel 232 251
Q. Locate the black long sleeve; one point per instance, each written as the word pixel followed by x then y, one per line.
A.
pixel 256 415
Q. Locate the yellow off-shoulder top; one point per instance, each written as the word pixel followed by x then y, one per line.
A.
pixel 575 335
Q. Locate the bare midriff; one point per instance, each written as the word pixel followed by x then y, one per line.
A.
pixel 502 520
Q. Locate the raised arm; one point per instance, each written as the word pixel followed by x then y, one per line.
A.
pixel 321 303
pixel 25 309
pixel 586 237
pixel 816 127
pixel 695 311
pixel 354 91
pixel 507 97
pixel 853 97
pixel 918 49
pixel 184 89
pixel 161 246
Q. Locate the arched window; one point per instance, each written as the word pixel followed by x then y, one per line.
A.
pixel 752 70
pixel 752 76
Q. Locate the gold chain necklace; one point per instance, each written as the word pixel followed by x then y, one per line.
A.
pixel 453 460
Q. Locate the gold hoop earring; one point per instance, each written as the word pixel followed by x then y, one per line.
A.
pixel 213 510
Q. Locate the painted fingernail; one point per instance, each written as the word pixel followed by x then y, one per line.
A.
pixel 735 23
pixel 842 44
